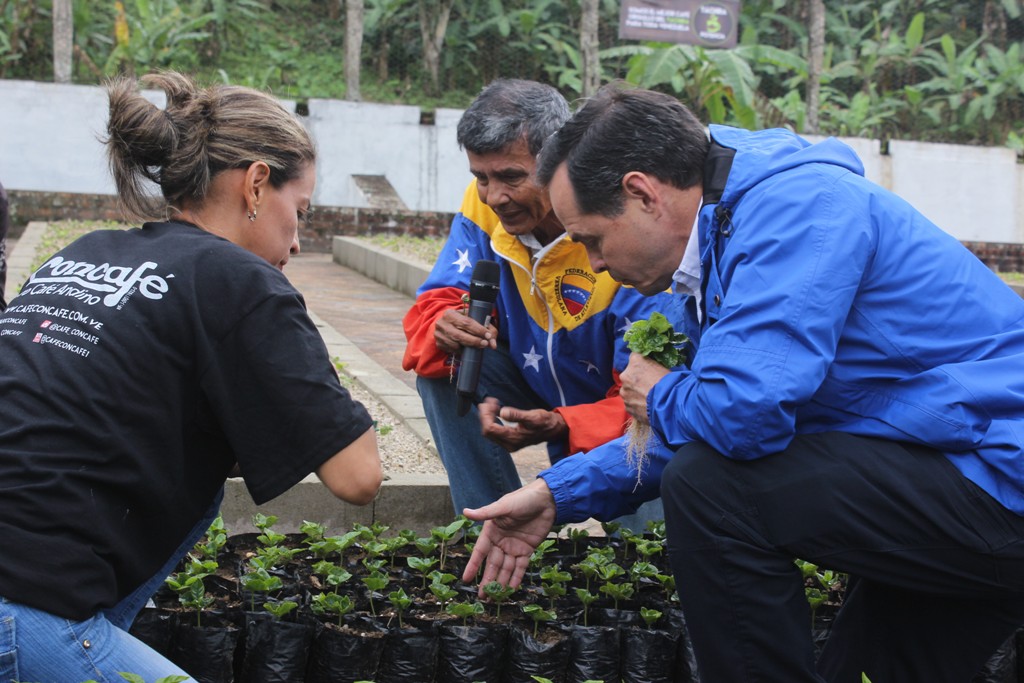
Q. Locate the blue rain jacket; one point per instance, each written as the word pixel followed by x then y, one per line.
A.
pixel 833 305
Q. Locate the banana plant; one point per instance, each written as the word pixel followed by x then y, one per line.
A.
pixel 156 34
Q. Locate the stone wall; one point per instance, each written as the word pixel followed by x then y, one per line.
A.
pixel 27 206
pixel 999 256
pixel 330 221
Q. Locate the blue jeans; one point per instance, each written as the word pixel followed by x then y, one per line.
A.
pixel 40 647
pixel 43 648
pixel 479 470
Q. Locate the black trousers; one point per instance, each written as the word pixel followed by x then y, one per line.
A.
pixel 936 565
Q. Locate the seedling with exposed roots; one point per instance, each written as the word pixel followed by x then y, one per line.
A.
pixel 653 338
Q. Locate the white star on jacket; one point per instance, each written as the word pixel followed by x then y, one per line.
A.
pixel 590 367
pixel 532 359
pixel 463 260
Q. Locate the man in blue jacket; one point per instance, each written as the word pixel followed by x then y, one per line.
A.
pixel 856 399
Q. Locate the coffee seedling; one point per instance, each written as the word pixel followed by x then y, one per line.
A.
pixel 653 338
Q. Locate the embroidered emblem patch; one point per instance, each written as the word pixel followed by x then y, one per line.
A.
pixel 574 291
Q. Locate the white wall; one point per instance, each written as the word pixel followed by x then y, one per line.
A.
pixel 970 192
pixel 49 141
pixel 379 139
pixel 49 138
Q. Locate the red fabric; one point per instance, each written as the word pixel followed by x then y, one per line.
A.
pixel 421 353
pixel 594 424
pixel 590 424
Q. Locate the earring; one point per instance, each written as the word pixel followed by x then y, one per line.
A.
pixel 251 215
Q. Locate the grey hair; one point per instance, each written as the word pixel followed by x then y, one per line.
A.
pixel 508 110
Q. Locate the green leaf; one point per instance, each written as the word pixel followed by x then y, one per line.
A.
pixel 421 564
pixel 279 609
pixel 400 599
pixel 538 613
pixel 769 54
pixel 464 610
pixel 738 76
pixel 915 32
pixel 442 592
pixel 654 338
pixel 498 592
pixel 660 66
pixel 948 48
pixel 649 616
pixel 376 581
pixel 135 678
pixel 331 603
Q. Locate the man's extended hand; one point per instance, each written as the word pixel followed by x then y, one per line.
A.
pixel 531 426
pixel 454 329
pixel 637 380
pixel 514 526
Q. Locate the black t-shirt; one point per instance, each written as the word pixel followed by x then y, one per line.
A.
pixel 136 367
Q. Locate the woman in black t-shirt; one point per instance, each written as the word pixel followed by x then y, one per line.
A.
pixel 140 367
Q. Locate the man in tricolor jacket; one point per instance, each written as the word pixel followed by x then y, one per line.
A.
pixel 554 351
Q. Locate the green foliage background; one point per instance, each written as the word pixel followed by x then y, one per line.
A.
pixel 931 70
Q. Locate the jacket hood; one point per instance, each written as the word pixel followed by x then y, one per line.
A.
pixel 762 154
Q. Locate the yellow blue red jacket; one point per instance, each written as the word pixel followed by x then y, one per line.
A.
pixel 562 321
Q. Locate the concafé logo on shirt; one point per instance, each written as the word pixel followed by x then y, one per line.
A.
pixel 60 276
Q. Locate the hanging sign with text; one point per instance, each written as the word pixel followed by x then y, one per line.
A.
pixel 697 22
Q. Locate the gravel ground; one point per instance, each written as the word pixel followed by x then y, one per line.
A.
pixel 401 450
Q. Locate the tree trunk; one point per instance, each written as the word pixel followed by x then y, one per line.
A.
pixel 993 23
pixel 815 61
pixel 63 40
pixel 589 46
pixel 382 60
pixel 432 29
pixel 353 48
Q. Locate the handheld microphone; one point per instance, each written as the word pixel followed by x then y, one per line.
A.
pixel 483 292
